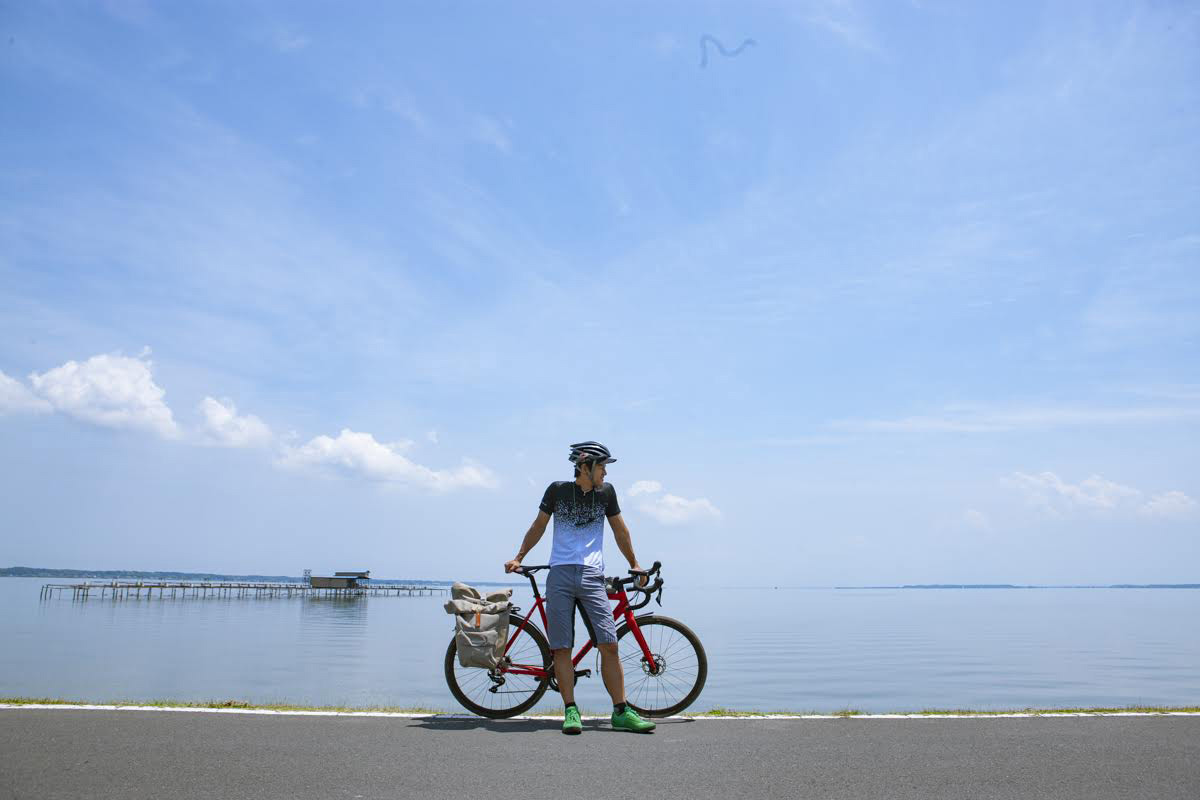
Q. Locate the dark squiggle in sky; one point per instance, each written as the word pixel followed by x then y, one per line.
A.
pixel 704 50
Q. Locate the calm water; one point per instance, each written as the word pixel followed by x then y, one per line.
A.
pixel 785 649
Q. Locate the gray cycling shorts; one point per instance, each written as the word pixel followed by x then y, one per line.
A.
pixel 571 585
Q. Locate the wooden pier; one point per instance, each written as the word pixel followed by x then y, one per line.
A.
pixel 171 590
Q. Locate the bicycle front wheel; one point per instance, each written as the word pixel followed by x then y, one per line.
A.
pixel 674 680
pixel 497 693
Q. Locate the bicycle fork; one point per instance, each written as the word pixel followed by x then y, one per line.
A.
pixel 650 663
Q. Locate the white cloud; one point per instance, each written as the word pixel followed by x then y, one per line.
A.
pixel 111 390
pixel 1096 495
pixel 843 19
pixel 644 487
pixel 223 426
pixel 1052 494
pixel 976 420
pixel 1169 504
pixel 15 398
pixel 361 455
pixel 670 509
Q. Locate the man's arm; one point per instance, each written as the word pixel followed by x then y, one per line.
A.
pixel 624 541
pixel 532 537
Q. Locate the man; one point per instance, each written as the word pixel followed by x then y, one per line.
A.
pixel 577 576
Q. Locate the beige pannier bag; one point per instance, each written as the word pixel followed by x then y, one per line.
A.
pixel 480 624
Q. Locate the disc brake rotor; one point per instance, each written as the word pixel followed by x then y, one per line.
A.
pixel 657 668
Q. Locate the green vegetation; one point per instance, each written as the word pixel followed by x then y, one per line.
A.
pixel 238 704
pixel 726 712
pixel 1050 711
pixel 729 712
pixel 712 713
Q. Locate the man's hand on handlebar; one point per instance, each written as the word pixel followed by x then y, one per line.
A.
pixel 643 575
pixel 512 566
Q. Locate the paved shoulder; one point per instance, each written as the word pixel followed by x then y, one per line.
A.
pixel 127 755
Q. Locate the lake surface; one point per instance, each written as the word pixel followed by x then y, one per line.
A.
pixel 768 649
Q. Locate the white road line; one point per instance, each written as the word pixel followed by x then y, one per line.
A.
pixel 739 718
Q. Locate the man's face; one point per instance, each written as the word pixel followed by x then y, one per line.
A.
pixel 598 473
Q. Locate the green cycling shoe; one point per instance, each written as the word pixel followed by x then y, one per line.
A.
pixel 571 722
pixel 628 720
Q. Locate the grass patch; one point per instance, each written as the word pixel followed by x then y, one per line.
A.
pixel 239 704
pixel 734 713
pixel 951 712
pixel 725 712
pixel 1050 711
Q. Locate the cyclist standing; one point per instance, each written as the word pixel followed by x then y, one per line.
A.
pixel 576 577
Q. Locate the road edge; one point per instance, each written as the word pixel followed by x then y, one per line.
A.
pixel 698 718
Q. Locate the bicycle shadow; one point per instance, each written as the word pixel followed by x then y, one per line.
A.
pixel 452 722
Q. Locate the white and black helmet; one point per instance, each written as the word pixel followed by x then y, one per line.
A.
pixel 593 452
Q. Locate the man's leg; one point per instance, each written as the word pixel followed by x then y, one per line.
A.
pixel 564 673
pixel 610 668
pixel 560 613
pixel 598 614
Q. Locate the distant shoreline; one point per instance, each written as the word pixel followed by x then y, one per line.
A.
pixel 143 575
pixel 101 574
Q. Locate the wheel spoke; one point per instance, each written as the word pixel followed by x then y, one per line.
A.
pixel 682 667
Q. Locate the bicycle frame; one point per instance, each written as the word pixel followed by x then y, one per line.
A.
pixel 622 610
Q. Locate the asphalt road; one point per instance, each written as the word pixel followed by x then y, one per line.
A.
pixel 180 756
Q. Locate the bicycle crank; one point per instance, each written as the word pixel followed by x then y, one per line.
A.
pixel 579 673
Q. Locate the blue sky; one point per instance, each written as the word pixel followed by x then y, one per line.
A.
pixel 903 292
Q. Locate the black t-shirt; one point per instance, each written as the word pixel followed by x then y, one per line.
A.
pixel 568 503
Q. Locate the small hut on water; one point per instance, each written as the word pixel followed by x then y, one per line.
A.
pixel 341 580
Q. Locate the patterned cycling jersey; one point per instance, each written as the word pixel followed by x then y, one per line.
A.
pixel 579 522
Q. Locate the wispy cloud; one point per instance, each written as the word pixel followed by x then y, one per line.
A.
pixel 665 44
pixel 644 487
pixel 392 99
pixel 979 420
pixel 290 41
pixel 1169 504
pixel 494 132
pixel 842 18
pixel 16 398
pixel 361 455
pixel 670 509
pixel 223 426
pixel 976 520
pixel 1050 494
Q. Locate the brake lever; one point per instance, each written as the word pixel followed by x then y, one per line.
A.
pixel 658 597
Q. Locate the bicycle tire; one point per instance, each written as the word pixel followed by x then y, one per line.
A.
pixel 478 682
pixel 684 671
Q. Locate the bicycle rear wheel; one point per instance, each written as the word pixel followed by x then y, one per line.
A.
pixel 675 679
pixel 496 693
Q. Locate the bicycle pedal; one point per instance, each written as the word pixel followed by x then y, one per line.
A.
pixel 583 673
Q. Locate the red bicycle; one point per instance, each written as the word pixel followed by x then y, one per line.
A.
pixel 664 662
